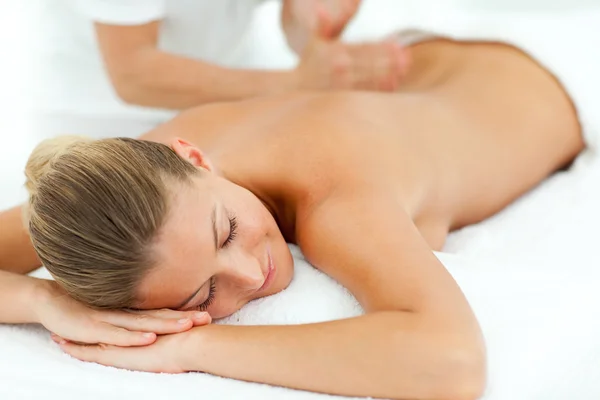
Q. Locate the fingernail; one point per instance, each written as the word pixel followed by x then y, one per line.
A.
pixel 200 315
pixel 148 335
pixel 183 321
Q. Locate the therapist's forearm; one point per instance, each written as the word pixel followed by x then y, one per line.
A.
pixel 385 354
pixel 16 251
pixel 158 79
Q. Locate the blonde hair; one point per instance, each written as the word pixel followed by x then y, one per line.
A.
pixel 95 207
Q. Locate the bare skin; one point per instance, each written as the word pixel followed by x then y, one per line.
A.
pixel 455 145
pixel 367 184
pixel 143 74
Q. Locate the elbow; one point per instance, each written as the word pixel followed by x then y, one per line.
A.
pixel 464 375
pixel 133 80
pixel 134 77
pixel 444 370
pixel 129 90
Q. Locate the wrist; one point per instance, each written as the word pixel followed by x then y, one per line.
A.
pixel 193 356
pixel 42 290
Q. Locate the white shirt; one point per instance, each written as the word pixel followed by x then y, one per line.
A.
pixel 69 77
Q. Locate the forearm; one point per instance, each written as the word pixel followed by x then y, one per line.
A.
pixel 296 35
pixel 386 354
pixel 16 252
pixel 158 79
pixel 18 295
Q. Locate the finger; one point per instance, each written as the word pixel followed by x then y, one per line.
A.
pixel 177 322
pixel 113 335
pixel 368 66
pixel 132 358
pixel 100 354
pixel 325 26
pixel 389 66
pixel 57 339
pixel 201 318
pixel 406 60
pixel 168 313
pixel 342 68
pixel 382 67
pixel 356 72
pixel 197 317
pixel 395 56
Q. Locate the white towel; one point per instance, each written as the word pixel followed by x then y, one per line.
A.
pixel 530 273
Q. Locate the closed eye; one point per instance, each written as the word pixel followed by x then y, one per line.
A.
pixel 232 231
pixel 211 296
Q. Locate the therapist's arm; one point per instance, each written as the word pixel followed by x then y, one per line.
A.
pixel 142 74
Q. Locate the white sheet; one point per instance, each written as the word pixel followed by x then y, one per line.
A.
pixel 530 273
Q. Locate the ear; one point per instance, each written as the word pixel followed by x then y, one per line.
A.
pixel 191 153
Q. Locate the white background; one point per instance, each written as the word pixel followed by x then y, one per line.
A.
pixel 15 39
pixel 17 33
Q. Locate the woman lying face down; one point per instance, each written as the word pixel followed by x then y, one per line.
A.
pixel 366 184
pixel 131 224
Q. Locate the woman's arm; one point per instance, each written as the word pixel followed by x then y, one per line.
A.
pixel 16 252
pixel 18 296
pixel 418 340
pixel 24 299
pixel 385 354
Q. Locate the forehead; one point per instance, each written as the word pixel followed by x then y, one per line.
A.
pixel 183 246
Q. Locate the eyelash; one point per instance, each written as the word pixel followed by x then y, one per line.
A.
pixel 232 231
pixel 213 288
pixel 211 296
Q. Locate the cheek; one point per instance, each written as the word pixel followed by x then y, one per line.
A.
pixel 229 298
pixel 225 306
pixel 255 225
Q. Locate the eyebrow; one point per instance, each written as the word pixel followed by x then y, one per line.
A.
pixel 213 219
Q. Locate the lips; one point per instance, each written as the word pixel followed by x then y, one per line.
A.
pixel 270 273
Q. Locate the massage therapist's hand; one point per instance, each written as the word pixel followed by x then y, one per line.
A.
pixel 324 19
pixel 75 322
pixel 336 65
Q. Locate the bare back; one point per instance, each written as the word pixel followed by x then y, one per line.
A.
pixel 473 128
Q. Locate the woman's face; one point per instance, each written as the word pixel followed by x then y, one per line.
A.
pixel 219 249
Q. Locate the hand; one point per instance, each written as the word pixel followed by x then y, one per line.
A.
pixel 75 322
pixel 303 20
pixel 335 65
pixel 166 354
